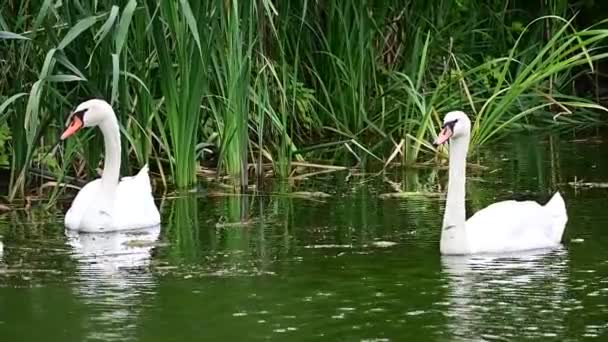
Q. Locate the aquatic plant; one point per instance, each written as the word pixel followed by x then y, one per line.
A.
pixel 271 84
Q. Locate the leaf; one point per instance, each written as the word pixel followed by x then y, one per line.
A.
pixel 138 80
pixel 59 78
pixel 123 25
pixel 49 63
pixel 76 30
pixel 3 24
pixel 107 25
pixel 191 24
pixel 115 75
pixel 44 10
pixel 103 31
pixel 5 35
pixel 356 143
pixel 30 122
pixel 8 102
pixel 62 59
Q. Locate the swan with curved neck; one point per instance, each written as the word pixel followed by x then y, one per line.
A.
pixel 501 227
pixel 109 203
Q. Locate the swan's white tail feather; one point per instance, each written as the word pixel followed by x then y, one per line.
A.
pixel 557 209
pixel 144 169
pixel 143 178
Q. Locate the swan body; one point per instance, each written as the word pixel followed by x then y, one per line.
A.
pixel 129 210
pixel 109 203
pixel 516 225
pixel 506 226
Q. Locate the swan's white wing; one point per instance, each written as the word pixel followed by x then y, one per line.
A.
pixel 80 206
pixel 135 207
pixel 509 226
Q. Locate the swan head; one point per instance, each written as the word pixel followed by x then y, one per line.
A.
pixel 456 125
pixel 88 114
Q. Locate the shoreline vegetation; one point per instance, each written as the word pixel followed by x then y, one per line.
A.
pixel 240 91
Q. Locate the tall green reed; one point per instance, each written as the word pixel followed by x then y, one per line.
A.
pixel 232 67
pixel 278 80
pixel 529 90
pixel 182 33
pixel 55 70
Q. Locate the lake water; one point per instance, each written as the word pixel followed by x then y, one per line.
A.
pixel 354 266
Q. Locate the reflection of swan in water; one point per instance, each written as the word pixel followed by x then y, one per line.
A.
pixel 111 276
pixel 1 249
pixel 110 252
pixel 506 294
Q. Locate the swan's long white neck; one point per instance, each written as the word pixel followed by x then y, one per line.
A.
pixel 111 138
pixel 453 232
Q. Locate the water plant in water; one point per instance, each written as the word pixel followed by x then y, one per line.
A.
pixel 275 84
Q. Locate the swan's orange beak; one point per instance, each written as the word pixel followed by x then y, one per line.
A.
pixel 443 136
pixel 74 126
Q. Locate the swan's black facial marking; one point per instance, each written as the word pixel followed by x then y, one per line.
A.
pixel 79 114
pixel 74 123
pixel 449 227
pixel 450 124
pixel 446 133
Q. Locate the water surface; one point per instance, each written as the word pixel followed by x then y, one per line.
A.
pixel 353 266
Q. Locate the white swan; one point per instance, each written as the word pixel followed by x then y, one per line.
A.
pixel 109 203
pixel 501 227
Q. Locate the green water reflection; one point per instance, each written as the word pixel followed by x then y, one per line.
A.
pixel 352 266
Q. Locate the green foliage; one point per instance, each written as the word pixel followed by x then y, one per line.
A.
pixel 5 135
pixel 269 82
